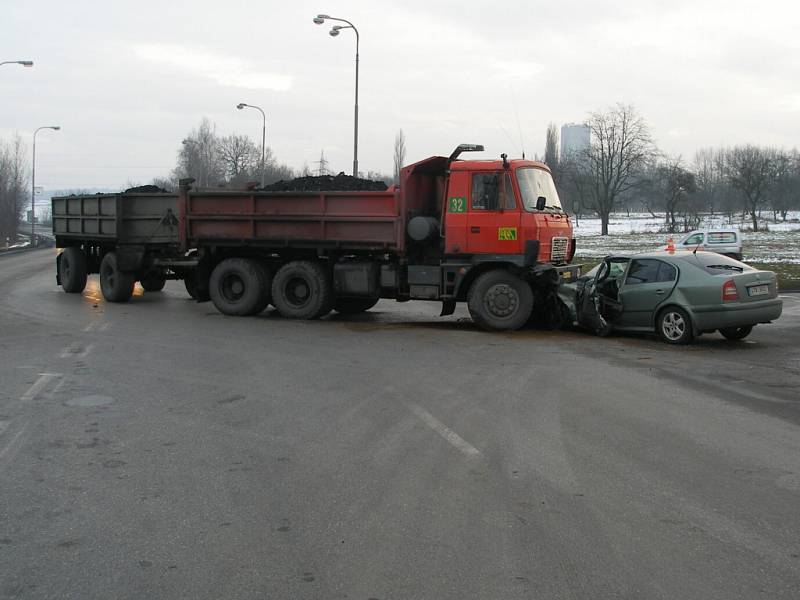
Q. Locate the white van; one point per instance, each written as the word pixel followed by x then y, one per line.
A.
pixel 722 240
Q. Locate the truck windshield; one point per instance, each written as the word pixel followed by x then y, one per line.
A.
pixel 535 182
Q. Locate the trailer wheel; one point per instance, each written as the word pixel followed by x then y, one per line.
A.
pixel 352 306
pixel 237 286
pixel 499 301
pixel 116 285
pixel 301 290
pixel 153 282
pixel 73 267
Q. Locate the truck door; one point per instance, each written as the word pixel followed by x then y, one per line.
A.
pixel 493 219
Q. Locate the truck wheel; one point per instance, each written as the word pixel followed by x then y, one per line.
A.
pixel 190 282
pixel 73 270
pixel 153 282
pixel 499 300
pixel 116 285
pixel 301 290
pixel 266 290
pixel 237 286
pixel 736 333
pixel 352 306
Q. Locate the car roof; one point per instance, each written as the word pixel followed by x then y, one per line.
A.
pixel 713 229
pixel 661 254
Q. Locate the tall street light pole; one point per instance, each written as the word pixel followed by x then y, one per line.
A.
pixel 33 182
pixel 242 105
pixel 24 63
pixel 319 20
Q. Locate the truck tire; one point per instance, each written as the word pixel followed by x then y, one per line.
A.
pixel 266 291
pixel 498 300
pixel 301 289
pixel 153 282
pixel 237 287
pixel 73 267
pixel 190 282
pixel 116 285
pixel 352 306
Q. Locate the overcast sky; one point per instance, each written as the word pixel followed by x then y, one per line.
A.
pixel 127 80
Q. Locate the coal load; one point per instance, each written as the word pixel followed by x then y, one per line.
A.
pixel 327 183
pixel 146 189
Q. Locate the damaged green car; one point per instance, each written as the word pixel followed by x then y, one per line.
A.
pixel 678 295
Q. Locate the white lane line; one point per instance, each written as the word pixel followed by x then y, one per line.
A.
pixel 448 434
pixel 74 351
pixel 40 384
pixel 11 445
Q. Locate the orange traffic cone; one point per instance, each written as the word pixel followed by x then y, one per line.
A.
pixel 670 245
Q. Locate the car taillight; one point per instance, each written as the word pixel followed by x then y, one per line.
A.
pixel 729 291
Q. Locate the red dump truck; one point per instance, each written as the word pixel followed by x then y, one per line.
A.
pixel 490 233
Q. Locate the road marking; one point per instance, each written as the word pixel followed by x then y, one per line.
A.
pixel 95 326
pixel 448 434
pixel 39 385
pixel 74 350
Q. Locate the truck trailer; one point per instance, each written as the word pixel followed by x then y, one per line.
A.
pixel 490 233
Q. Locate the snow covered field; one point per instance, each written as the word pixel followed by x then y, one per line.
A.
pixel 639 233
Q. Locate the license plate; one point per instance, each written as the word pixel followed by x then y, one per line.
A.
pixel 758 290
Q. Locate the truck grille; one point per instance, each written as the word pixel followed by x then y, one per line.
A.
pixel 558 251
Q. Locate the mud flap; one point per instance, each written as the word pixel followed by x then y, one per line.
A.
pixel 58 269
pixel 448 308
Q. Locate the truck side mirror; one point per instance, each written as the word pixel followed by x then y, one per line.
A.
pixel 541 202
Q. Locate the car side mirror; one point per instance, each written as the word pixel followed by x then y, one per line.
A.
pixel 541 202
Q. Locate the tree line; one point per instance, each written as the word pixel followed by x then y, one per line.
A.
pixel 14 186
pixel 622 169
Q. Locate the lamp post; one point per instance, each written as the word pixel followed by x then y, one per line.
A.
pixel 242 105
pixel 319 20
pixel 24 63
pixel 33 182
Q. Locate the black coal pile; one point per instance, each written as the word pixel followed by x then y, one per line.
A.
pixel 327 183
pixel 146 189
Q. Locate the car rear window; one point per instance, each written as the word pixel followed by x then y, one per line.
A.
pixel 715 264
pixel 721 237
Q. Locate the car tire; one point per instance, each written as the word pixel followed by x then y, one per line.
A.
pixel 674 326
pixel 116 285
pixel 73 270
pixel 153 282
pixel 301 289
pixel 353 306
pixel 498 300
pixel 736 333
pixel 237 286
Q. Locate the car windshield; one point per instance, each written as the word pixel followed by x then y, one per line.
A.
pixel 534 182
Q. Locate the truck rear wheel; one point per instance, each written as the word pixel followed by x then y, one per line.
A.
pixel 237 286
pixel 73 270
pixel 116 285
pixel 352 306
pixel 153 282
pixel 266 290
pixel 302 290
pixel 499 301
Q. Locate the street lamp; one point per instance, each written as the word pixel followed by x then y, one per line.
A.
pixel 319 20
pixel 24 63
pixel 242 105
pixel 33 182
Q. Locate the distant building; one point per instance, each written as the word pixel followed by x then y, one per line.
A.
pixel 574 138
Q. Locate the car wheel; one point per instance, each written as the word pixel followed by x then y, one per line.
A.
pixel 500 301
pixel 674 326
pixel 736 333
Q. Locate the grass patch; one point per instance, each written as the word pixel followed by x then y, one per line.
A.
pixel 788 273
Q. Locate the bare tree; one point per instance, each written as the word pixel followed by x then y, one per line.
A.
pixel 240 157
pixel 199 156
pixel 674 183
pixel 399 154
pixel 14 180
pixel 751 171
pixel 621 144
pixel 551 151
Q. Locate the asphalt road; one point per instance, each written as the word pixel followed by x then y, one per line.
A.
pixel 158 449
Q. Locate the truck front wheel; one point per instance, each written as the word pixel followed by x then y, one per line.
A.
pixel 499 301
pixel 116 285
pixel 73 270
pixel 237 287
pixel 302 290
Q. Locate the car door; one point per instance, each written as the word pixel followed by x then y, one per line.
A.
pixel 648 283
pixel 493 219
